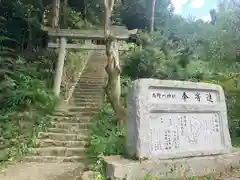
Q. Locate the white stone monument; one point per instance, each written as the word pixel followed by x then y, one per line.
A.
pixel 175 119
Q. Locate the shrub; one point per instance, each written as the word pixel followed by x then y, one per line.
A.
pixel 152 63
pixel 142 63
pixel 105 136
pixel 26 101
pixel 230 84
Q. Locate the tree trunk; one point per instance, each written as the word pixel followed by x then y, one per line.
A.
pixel 113 69
pixel 55 14
pixel 85 11
pixel 152 16
pixel 64 14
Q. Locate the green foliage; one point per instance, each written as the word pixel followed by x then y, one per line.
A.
pixel 21 90
pixel 105 137
pixel 25 103
pixel 26 99
pixel 143 63
pixel 230 84
pixel 19 133
pixel 76 22
pixel 152 63
pixel 125 81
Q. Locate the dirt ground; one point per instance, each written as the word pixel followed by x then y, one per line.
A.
pixel 42 171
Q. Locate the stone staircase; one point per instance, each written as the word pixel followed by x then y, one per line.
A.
pixel 65 140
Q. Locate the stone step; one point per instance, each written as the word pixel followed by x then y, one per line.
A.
pixel 58 114
pixel 67 130
pixel 90 96
pixel 85 96
pixel 83 107
pixel 84 113
pixel 84 110
pixel 88 88
pixel 58 151
pixel 50 143
pixel 92 114
pixel 89 73
pixel 92 73
pixel 87 104
pixel 96 78
pixel 63 136
pixel 56 159
pixel 98 82
pixel 88 78
pixel 94 67
pixel 70 121
pixel 89 91
pixel 95 64
pixel 91 70
pixel 73 118
pixel 96 61
pixel 89 85
pixel 67 124
pixel 81 122
pixel 85 101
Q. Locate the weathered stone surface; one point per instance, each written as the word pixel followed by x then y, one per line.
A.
pixel 90 175
pixel 173 119
pixel 118 168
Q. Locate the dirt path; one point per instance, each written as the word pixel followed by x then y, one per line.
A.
pixel 42 171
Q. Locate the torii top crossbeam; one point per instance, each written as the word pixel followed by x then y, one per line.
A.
pixel 119 32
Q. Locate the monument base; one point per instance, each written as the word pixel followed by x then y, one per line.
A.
pixel 119 168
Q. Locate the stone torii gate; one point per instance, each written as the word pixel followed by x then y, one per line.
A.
pixel 119 33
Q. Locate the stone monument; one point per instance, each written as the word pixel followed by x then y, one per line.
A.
pixel 173 119
pixel 175 129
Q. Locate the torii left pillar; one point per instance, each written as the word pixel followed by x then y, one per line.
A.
pixel 60 66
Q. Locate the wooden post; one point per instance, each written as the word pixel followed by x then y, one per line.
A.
pixel 60 66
